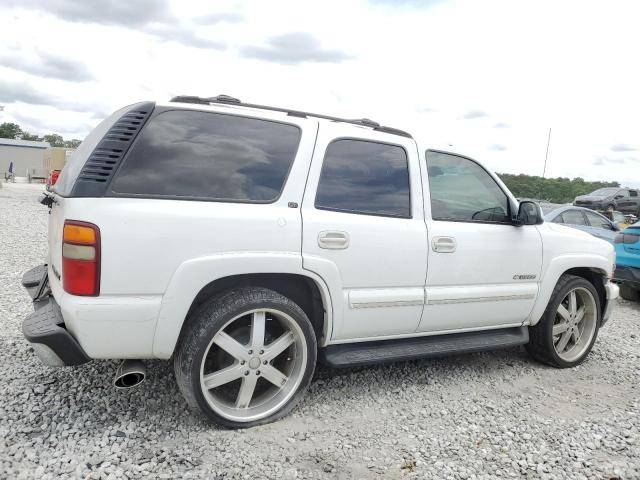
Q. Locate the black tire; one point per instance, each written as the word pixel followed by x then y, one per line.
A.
pixel 540 345
pixel 207 321
pixel 629 293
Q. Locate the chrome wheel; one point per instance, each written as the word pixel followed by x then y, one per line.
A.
pixel 253 365
pixel 575 324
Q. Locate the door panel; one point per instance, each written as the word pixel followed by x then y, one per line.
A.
pixel 490 279
pixel 382 258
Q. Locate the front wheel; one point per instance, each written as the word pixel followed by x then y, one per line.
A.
pixel 246 357
pixel 569 326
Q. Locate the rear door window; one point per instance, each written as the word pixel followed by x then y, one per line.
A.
pixel 364 177
pixel 209 156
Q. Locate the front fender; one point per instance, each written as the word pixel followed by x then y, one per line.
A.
pixel 193 275
pixel 559 265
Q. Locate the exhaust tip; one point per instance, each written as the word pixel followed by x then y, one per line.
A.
pixel 130 373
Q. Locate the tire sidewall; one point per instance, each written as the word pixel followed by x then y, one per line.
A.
pixel 549 318
pixel 214 315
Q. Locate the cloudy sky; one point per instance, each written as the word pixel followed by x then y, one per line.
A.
pixel 487 79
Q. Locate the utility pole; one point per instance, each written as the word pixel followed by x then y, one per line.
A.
pixel 546 155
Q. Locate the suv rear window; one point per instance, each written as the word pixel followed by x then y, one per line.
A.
pixel 209 156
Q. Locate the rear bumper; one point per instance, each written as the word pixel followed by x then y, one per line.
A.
pixel 45 328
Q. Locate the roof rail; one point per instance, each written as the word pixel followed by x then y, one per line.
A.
pixel 228 100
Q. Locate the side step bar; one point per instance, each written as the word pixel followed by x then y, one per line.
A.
pixel 365 353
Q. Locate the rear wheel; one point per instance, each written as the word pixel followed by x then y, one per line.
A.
pixel 246 357
pixel 629 293
pixel 569 326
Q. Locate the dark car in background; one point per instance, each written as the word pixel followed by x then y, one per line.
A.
pixel 582 219
pixel 624 200
pixel 630 205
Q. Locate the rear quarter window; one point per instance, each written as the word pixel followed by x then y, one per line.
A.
pixel 209 156
pixel 76 161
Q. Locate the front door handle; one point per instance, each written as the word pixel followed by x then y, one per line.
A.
pixel 333 240
pixel 443 244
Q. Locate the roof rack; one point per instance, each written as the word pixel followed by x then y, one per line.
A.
pixel 227 100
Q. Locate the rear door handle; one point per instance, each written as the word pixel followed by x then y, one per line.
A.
pixel 443 244
pixel 333 240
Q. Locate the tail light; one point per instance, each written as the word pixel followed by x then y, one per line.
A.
pixel 81 258
pixel 626 238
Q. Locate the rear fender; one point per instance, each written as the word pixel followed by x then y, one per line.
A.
pixel 193 275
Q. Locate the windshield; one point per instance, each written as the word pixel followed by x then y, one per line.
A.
pixel 604 192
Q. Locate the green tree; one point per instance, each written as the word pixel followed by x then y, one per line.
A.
pixel 31 136
pixel 10 130
pixel 555 190
pixel 54 140
pixel 74 143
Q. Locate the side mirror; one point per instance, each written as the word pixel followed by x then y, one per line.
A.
pixel 618 197
pixel 529 213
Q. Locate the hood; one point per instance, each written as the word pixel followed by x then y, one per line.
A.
pixel 568 231
pixel 573 240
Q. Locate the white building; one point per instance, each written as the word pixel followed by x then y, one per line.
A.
pixel 27 157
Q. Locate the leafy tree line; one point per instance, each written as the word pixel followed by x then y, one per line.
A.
pixel 554 190
pixel 15 132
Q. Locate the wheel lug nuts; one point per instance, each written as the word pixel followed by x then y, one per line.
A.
pixel 242 362
pixel 246 372
pixel 250 352
pixel 261 352
pixel 265 362
pixel 257 372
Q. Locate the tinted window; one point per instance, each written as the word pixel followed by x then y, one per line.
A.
pixel 573 217
pixel 633 193
pixel 365 177
pixel 461 190
pixel 203 155
pixel 597 221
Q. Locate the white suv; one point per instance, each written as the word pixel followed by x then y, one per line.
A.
pixel 245 242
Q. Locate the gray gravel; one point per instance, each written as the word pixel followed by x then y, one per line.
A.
pixel 487 415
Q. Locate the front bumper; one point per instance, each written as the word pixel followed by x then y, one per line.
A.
pixel 612 293
pixel 45 328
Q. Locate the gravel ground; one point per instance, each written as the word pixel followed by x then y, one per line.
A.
pixel 486 415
